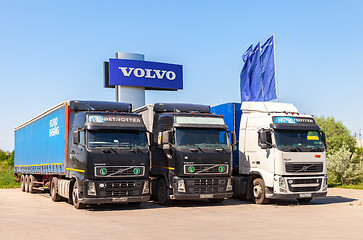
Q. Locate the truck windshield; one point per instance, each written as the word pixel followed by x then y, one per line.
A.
pixel 301 140
pixel 202 138
pixel 116 139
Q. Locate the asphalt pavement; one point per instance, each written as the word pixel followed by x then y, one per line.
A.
pixel 35 216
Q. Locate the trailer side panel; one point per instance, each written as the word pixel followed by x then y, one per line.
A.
pixel 40 146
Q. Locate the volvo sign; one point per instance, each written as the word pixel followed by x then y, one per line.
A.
pixel 151 75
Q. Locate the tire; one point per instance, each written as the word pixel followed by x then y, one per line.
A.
pixel 31 184
pixel 54 190
pixel 304 200
pixel 216 200
pixel 134 204
pixel 162 192
pixel 26 183
pixel 75 197
pixel 22 183
pixel 259 192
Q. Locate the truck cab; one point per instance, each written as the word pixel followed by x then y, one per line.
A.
pixel 191 152
pixel 109 157
pixel 282 154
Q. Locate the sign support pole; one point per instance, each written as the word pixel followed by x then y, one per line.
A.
pixel 130 94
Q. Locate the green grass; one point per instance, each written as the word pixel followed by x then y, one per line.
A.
pixel 350 186
pixel 7 180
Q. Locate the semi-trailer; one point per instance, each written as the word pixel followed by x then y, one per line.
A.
pixel 281 153
pixel 89 152
pixel 191 152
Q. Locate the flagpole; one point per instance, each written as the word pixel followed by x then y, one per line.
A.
pixel 276 80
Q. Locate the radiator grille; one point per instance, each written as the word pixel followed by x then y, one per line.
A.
pixel 206 169
pixel 119 171
pixel 303 167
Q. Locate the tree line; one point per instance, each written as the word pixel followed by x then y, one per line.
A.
pixel 344 160
pixel 6 160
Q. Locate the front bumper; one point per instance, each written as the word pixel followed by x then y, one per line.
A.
pixel 202 188
pixel 201 196
pixel 144 198
pixel 114 191
pixel 297 195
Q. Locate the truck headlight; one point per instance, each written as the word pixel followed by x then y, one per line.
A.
pixel 145 189
pixel 282 185
pixel 91 189
pixel 181 185
pixel 229 185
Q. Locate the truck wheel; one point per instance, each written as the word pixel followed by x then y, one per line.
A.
pixel 26 183
pixel 31 184
pixel 258 191
pixel 22 183
pixel 75 197
pixel 216 200
pixel 53 190
pixel 162 192
pixel 304 200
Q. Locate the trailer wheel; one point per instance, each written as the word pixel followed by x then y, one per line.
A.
pixel 216 200
pixel 75 197
pixel 26 183
pixel 31 184
pixel 162 192
pixel 53 190
pixel 22 183
pixel 259 191
pixel 304 200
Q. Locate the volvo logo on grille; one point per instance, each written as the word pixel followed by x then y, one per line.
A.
pixel 305 168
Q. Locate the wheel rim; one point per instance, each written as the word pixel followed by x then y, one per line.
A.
pixel 257 191
pixel 75 195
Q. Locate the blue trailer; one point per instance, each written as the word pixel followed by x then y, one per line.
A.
pixel 88 152
pixel 40 144
pixel 231 113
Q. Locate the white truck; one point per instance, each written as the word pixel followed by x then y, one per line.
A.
pixel 281 153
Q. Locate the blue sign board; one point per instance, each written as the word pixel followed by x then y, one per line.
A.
pixel 151 75
pixel 293 120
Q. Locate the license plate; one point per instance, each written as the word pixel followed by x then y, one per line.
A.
pixel 123 199
pixel 304 195
pixel 206 195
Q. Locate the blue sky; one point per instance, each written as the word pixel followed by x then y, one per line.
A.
pixel 54 51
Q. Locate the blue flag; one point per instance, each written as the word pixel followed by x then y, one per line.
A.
pixel 245 83
pixel 268 70
pixel 258 73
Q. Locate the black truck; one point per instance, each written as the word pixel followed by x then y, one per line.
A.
pixel 191 153
pixel 89 152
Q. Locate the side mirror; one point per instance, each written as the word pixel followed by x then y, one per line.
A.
pixel 166 147
pixel 165 137
pixel 75 137
pixel 323 138
pixel 263 137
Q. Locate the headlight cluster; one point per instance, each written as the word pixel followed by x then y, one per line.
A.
pixel 229 185
pixel 91 189
pixel 146 189
pixel 181 186
pixel 282 185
